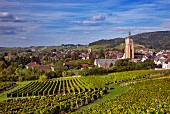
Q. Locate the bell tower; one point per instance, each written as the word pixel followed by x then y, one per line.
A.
pixel 129 47
pixel 89 54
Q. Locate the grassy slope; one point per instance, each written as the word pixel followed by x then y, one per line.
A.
pixel 98 47
pixel 115 91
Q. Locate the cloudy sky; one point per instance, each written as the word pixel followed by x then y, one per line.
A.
pixel 54 22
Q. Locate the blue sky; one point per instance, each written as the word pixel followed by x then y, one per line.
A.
pixel 54 22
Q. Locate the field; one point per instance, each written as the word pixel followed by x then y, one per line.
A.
pixel 86 94
pixel 52 87
pixel 52 96
pixel 151 96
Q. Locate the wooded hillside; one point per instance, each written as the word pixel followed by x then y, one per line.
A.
pixel 155 40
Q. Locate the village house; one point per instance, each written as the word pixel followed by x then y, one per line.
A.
pixel 105 63
pixel 84 66
pixel 144 58
pixel 43 67
pixel 159 59
pixel 166 64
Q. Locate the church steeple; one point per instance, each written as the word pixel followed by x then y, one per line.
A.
pixel 129 48
pixel 129 34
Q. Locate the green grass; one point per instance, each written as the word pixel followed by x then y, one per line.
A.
pixel 98 47
pixel 19 85
pixel 120 47
pixel 81 61
pixel 113 92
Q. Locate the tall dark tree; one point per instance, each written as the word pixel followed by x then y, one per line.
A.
pixel 101 54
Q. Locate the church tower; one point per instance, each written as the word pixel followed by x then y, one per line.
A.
pixel 89 54
pixel 129 48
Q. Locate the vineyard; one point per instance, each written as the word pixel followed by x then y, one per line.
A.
pixel 78 85
pixel 151 96
pixel 69 94
pixel 6 86
pixel 53 87
pixel 51 104
pixel 123 77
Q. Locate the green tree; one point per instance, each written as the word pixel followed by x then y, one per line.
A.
pixel 92 60
pixel 11 70
pixel 111 65
pixel 43 78
pixel 64 73
pixel 50 74
pixel 2 65
pixel 58 73
pixel 101 54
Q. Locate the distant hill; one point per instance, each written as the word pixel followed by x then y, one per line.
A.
pixel 153 40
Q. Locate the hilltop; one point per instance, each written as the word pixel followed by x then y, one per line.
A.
pixel 153 40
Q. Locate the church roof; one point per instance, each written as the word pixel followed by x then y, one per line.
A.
pixel 167 61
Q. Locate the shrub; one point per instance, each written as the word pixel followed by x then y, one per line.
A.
pixel 93 71
pixel 64 73
pixel 43 78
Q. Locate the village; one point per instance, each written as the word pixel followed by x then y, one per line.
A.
pixel 68 61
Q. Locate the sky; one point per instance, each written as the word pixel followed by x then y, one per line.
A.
pixel 25 23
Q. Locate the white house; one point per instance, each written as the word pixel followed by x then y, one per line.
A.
pixel 105 63
pixel 160 59
pixel 166 64
pixel 144 58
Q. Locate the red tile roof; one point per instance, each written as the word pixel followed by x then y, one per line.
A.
pixel 43 67
pixel 84 65
pixel 69 63
pixel 167 60
pixel 33 64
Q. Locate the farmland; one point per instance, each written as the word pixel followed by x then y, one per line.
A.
pixel 151 96
pixel 65 95
pixel 55 87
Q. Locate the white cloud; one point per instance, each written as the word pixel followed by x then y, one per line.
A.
pixel 98 18
pixel 86 32
pixel 4 14
pixel 24 38
pixel 8 17
pixel 84 28
pixel 136 13
pixel 163 1
pixel 86 23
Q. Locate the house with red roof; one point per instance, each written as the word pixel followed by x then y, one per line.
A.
pixel 160 59
pixel 166 64
pixel 32 64
pixel 84 65
pixel 43 67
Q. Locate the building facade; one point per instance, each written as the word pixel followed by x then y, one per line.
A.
pixel 89 54
pixel 129 47
pixel 105 63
